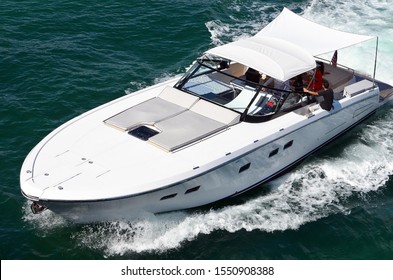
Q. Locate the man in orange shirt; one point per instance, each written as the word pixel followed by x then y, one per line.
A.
pixel 316 82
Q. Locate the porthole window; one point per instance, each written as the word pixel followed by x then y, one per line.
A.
pixel 244 167
pixel 274 152
pixel 194 189
pixel 168 196
pixel 289 144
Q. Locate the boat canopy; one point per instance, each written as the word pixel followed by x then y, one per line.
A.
pixel 314 38
pixel 277 58
pixel 286 47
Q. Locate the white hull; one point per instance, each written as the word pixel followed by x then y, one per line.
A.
pixel 228 178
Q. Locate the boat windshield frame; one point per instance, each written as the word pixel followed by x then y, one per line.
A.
pixel 263 101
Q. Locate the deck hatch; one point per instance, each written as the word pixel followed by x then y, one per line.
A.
pixel 143 132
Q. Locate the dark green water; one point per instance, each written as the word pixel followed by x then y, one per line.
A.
pixel 61 58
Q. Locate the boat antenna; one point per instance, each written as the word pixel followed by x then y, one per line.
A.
pixel 375 61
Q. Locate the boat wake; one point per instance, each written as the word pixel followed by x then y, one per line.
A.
pixel 45 222
pixel 335 180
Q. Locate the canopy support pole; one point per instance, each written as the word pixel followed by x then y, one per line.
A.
pixel 375 61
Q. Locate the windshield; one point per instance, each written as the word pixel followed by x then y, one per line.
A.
pixel 235 87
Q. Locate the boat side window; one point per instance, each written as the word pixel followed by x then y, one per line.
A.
pixel 168 196
pixel 288 144
pixel 191 190
pixel 273 153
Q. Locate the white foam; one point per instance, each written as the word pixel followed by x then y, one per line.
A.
pixel 236 26
pixel 135 86
pixel 217 30
pixel 165 77
pixel 45 221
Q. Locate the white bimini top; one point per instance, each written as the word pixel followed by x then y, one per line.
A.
pixel 287 46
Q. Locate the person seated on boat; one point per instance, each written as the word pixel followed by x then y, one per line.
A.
pixel 253 75
pixel 315 80
pixel 223 65
pixel 327 93
pixel 264 78
pixel 297 85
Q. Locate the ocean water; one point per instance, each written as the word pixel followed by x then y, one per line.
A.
pixel 61 58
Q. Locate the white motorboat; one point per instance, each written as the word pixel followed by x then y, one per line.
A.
pixel 216 132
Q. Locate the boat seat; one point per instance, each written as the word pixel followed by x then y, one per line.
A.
pixel 168 103
pixel 201 120
pixel 178 97
pixel 237 69
pixel 179 118
pixel 356 88
pixel 184 129
pixel 337 77
pixel 215 112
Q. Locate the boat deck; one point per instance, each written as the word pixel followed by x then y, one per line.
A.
pixel 387 94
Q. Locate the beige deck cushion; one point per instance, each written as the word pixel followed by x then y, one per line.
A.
pixel 356 88
pixel 178 97
pixel 215 112
pixel 184 129
pixel 180 118
pixel 203 119
pixel 336 76
pixel 168 103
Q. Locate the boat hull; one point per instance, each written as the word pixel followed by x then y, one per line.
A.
pixel 264 161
